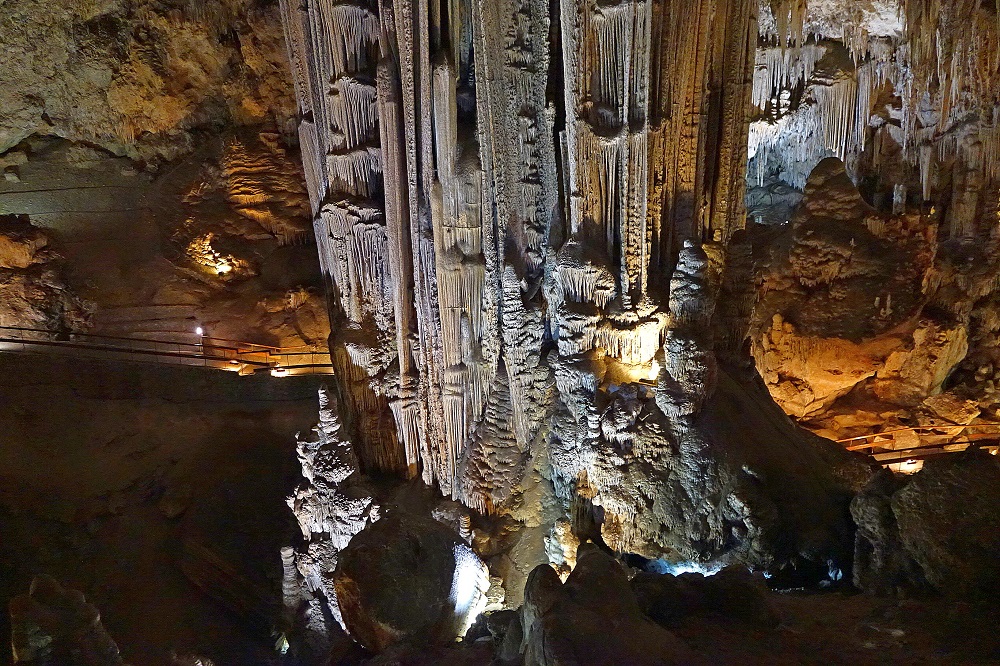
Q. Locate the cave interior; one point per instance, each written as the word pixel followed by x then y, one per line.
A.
pixel 499 332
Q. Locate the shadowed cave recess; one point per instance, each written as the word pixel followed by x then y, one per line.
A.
pixel 499 332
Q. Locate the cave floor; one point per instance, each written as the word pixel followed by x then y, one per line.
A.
pixel 135 483
pixel 855 629
pixel 159 493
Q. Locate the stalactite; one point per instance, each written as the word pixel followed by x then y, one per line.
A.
pixel 780 69
pixel 513 311
pixel 334 49
pixel 940 62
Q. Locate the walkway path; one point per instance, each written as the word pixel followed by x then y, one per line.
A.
pixel 931 441
pixel 229 355
pixel 248 358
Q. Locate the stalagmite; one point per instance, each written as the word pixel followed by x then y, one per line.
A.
pixel 330 506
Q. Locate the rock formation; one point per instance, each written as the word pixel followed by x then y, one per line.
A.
pixel 460 250
pixel 409 577
pixel 331 506
pixel 935 529
pixel 600 616
pixel 876 316
pixel 905 92
pixel 153 144
pixel 52 625
pixel 33 293
pixel 527 215
pixel 593 618
pixel 147 76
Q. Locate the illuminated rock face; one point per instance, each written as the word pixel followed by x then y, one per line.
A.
pixel 153 143
pixel 331 505
pixel 140 79
pixel 843 287
pixel 33 293
pixel 877 297
pixel 904 92
pixel 530 220
pixel 409 577
pixel 462 242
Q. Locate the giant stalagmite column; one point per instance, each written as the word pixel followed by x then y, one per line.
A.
pixel 335 49
pixel 526 212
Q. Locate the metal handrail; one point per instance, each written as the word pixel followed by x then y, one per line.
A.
pixel 932 450
pixel 204 340
pixel 246 359
pixel 943 443
pixel 970 439
pixel 929 429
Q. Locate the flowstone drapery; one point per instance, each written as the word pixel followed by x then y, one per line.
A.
pixel 527 212
pixel 905 92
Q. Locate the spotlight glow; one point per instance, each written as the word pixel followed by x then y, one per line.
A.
pixel 678 568
pixel 468 587
pixel 909 466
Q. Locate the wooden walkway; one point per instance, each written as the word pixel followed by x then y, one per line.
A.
pixel 933 441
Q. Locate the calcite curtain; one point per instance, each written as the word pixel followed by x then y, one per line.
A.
pixel 502 190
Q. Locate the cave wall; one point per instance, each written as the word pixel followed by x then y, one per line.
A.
pixel 153 145
pixel 875 301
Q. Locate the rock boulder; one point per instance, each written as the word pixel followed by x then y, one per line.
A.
pixel 408 577
pixel 939 528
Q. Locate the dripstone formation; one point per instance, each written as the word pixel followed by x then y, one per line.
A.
pixel 601 281
pixel 501 194
pixel 530 217
pixel 873 185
